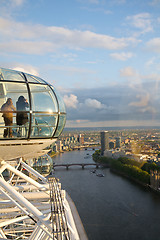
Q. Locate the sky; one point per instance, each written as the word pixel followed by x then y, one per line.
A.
pixel 103 56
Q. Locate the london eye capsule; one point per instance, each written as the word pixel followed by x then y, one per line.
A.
pixel 32 114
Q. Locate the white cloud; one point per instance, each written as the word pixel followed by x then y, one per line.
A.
pixel 141 21
pixel 26 69
pixel 70 101
pixel 17 2
pixel 122 56
pixel 150 62
pixel 128 72
pixel 93 103
pixel 143 101
pixel 9 7
pixel 154 45
pixel 38 39
pixel 27 47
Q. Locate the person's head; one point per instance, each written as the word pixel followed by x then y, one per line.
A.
pixel 9 101
pixel 21 99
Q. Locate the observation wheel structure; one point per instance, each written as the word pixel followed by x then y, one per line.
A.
pixel 32 116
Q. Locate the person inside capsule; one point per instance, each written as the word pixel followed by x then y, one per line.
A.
pixel 7 109
pixel 21 116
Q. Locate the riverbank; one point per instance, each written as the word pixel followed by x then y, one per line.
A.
pixel 146 186
pixel 127 168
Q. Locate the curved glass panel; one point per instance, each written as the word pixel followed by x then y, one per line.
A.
pixel 60 100
pixel 43 125
pixel 61 124
pixel 15 109
pixel 15 113
pixel 43 99
pixel 34 79
pixel 11 75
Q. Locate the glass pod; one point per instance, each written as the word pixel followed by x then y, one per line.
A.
pixel 30 108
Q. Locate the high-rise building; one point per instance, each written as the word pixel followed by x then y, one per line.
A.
pixel 104 141
pixel 81 139
pixel 59 145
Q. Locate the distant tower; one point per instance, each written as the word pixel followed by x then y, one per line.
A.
pixel 59 145
pixel 104 141
pixel 118 142
pixel 81 139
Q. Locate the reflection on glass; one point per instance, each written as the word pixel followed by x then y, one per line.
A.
pixel 61 124
pixel 34 79
pixel 43 164
pixel 60 101
pixel 6 74
pixel 13 91
pixel 43 125
pixel 43 99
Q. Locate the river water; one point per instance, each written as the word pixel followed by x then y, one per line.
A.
pixel 110 207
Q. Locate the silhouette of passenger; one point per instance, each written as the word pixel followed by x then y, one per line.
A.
pixel 22 116
pixel 21 106
pixel 8 109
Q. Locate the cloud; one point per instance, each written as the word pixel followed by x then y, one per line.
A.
pixel 128 72
pixel 122 56
pixel 143 101
pixel 11 4
pixel 141 21
pixel 27 47
pixel 40 39
pixel 93 103
pixel 154 45
pixel 70 101
pixel 143 104
pixel 150 62
pixel 27 69
pixel 117 104
pixel 17 2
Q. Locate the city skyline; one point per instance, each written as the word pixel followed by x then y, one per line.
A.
pixel 103 56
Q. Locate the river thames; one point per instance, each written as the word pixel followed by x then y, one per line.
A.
pixel 110 207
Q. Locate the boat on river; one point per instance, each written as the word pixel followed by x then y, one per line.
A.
pixel 100 175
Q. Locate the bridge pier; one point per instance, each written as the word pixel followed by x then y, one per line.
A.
pixel 82 166
pixel 97 166
pixel 67 167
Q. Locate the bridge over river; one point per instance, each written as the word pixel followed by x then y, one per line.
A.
pixel 83 165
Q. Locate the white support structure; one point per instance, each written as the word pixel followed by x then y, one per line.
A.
pixel 27 210
pixel 35 173
pixel 22 175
